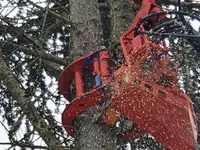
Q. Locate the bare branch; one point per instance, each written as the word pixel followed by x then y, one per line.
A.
pixel 14 143
pixel 42 54
pixel 24 145
pixel 44 20
pixel 187 4
pixel 4 126
pixel 52 13
pixel 18 32
pixel 52 69
pixel 24 101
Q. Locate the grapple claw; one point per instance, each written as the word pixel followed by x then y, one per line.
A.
pixel 164 113
pixel 144 88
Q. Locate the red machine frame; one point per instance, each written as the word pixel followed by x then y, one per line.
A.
pixel 98 65
pixel 149 98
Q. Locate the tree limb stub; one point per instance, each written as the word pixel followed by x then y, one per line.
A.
pixel 52 13
pixel 37 53
pixel 52 69
pixel 28 108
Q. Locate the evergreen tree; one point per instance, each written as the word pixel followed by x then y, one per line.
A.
pixel 39 39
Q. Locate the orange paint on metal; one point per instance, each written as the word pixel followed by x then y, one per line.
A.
pixel 78 106
pixel 111 116
pixel 105 62
pixel 79 82
pixel 82 100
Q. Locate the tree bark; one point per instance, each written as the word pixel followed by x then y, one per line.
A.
pixel 87 32
pixel 86 38
pixel 121 14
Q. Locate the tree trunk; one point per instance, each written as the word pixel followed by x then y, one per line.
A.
pixel 87 38
pixel 122 13
pixel 86 31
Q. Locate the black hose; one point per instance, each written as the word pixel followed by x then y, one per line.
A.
pixel 168 25
pixel 147 18
pixel 169 34
pixel 190 35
